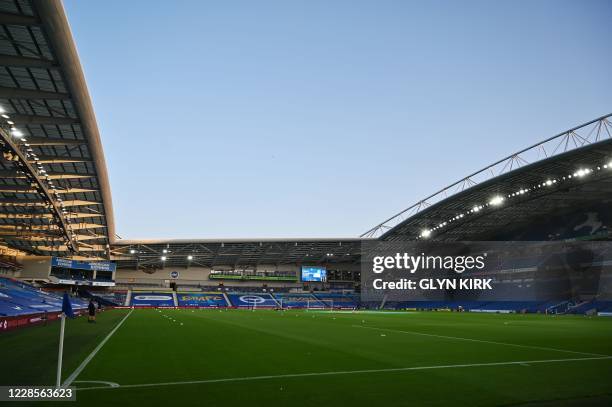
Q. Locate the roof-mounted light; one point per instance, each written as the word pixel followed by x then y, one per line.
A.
pixel 496 200
pixel 582 172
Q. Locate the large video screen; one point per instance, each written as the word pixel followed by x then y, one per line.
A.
pixel 314 273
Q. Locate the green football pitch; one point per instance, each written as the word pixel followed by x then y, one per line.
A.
pixel 309 358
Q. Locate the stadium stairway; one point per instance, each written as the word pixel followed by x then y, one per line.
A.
pixel 383 302
pixel 276 301
pixel 174 298
pixel 559 308
pixel 128 298
pixel 582 307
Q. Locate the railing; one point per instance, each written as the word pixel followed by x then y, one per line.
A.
pixel 577 137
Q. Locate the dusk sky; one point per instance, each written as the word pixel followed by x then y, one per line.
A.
pixel 323 118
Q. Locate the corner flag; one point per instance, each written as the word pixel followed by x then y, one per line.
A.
pixel 67 306
pixel 66 312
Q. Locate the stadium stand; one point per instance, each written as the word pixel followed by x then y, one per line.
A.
pixel 604 306
pixel 240 299
pixel 556 189
pixel 592 305
pixel 152 299
pixel 339 301
pixel 17 298
pixel 290 300
pixel 202 300
pixel 478 306
pixel 252 300
pixel 112 298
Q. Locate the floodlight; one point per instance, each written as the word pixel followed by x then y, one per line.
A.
pixel 496 200
pixel 582 172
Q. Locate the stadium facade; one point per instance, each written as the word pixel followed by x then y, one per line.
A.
pixel 56 206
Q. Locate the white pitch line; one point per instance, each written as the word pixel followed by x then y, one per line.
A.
pixel 111 384
pixel 480 341
pixel 84 363
pixel 347 372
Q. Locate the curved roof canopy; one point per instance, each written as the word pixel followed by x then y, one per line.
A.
pixel 54 192
pixel 564 172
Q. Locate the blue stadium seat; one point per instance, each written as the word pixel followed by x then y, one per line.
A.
pixel 202 300
pixel 17 298
pixel 299 300
pixel 252 300
pixel 344 301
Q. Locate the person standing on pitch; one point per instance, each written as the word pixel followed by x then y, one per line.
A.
pixel 91 308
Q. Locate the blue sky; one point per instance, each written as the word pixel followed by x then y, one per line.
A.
pixel 322 118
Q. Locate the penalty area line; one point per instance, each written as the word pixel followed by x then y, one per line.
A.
pixel 93 353
pixel 522 363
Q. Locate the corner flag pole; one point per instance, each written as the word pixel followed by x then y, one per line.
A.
pixel 66 313
pixel 58 382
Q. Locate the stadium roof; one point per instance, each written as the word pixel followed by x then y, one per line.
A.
pixel 570 170
pixel 55 196
pixel 54 192
pixel 574 170
pixel 236 253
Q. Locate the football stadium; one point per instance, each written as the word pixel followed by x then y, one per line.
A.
pixel 299 321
